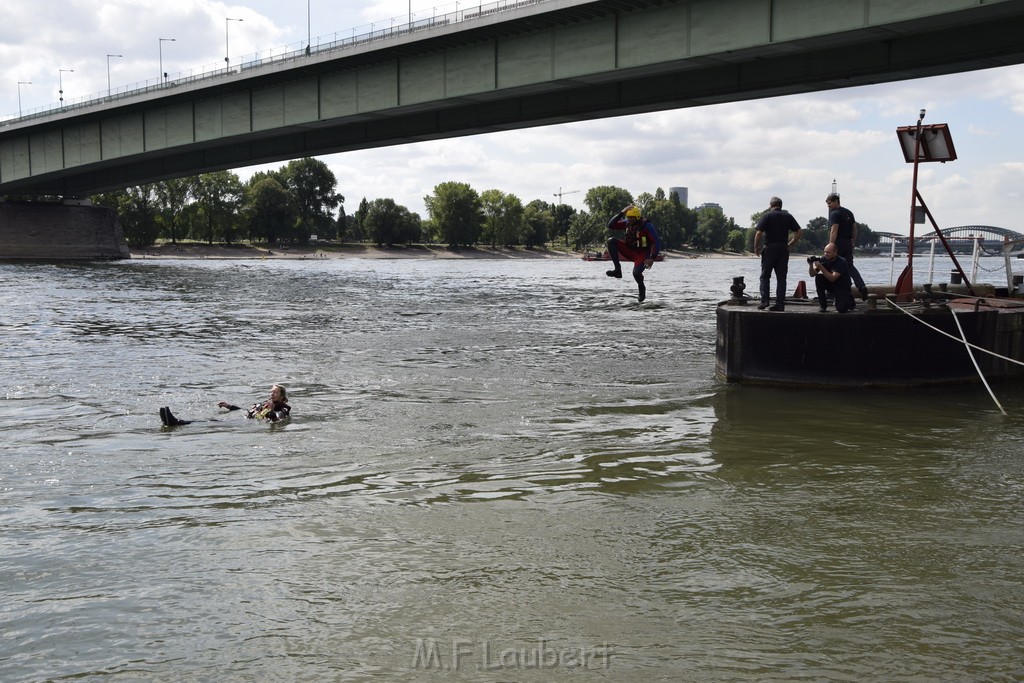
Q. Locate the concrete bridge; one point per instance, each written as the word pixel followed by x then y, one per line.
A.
pixel 498 67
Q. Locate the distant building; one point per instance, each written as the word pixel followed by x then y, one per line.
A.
pixel 710 205
pixel 683 192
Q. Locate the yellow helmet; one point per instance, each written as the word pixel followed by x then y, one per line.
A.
pixel 632 212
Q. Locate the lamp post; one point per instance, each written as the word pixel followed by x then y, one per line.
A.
pixel 60 81
pixel 309 29
pixel 227 58
pixel 163 76
pixel 21 83
pixel 108 72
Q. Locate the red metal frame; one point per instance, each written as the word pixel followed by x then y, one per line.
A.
pixel 942 152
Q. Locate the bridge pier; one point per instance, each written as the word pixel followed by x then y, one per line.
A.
pixel 44 231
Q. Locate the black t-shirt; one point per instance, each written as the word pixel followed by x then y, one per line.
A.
pixel 842 217
pixel 776 226
pixel 839 265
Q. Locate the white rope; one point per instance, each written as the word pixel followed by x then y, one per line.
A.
pixel 947 334
pixel 975 361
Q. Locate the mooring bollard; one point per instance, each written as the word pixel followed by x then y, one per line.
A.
pixel 737 290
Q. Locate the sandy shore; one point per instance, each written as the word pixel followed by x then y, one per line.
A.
pixel 218 251
pixel 192 250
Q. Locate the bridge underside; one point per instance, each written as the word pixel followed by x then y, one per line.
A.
pixel 983 36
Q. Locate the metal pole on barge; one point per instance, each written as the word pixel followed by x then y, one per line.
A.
pixel 905 283
pixel 917 149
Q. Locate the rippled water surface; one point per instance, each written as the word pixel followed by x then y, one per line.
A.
pixel 496 470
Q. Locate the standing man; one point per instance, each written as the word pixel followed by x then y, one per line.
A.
pixel 831 274
pixel 640 244
pixel 773 231
pixel 844 235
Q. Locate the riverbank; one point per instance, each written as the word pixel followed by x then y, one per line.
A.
pixel 189 250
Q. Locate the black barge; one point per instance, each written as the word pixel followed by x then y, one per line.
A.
pixel 881 343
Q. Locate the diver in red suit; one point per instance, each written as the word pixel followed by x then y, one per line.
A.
pixel 640 244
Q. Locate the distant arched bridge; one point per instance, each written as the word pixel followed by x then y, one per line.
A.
pixel 961 239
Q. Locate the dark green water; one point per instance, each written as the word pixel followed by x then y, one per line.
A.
pixel 496 471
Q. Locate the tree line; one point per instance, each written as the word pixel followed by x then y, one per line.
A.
pixel 301 200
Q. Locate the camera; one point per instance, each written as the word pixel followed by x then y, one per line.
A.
pixel 813 259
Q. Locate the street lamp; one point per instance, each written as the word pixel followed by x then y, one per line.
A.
pixel 60 81
pixel 21 83
pixel 108 72
pixel 227 58
pixel 309 29
pixel 163 76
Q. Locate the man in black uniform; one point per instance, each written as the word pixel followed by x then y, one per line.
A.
pixel 773 231
pixel 844 235
pixel 831 274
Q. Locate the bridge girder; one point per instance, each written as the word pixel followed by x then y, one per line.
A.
pixel 980 36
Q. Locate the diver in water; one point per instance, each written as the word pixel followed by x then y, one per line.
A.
pixel 274 409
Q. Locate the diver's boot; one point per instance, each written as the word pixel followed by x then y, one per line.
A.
pixel 642 291
pixel 169 418
pixel 163 416
pixel 616 272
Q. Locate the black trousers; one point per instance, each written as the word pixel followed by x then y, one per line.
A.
pixel 840 292
pixel 844 245
pixel 774 259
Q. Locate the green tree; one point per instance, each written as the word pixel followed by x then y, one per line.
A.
pixel 562 215
pixel 313 187
pixel 415 229
pixel 815 235
pixel 736 240
pixel 645 201
pixel 503 218
pixel 137 209
pixel 340 226
pixel 670 218
pixel 268 209
pixel 172 196
pixel 748 240
pixel 218 196
pixel 865 236
pixel 388 223
pixel 356 230
pixel 712 228
pixel 688 218
pixel 607 200
pixel 539 224
pixel 586 230
pixel 456 213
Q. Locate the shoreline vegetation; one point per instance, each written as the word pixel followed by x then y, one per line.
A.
pixel 202 250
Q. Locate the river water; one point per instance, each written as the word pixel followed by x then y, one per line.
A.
pixel 496 470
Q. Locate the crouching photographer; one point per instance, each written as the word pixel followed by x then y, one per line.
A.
pixel 831 274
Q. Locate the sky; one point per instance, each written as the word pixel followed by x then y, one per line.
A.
pixel 736 155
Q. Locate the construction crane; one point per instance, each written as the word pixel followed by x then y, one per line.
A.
pixel 560 193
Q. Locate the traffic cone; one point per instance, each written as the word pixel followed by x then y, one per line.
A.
pixel 801 290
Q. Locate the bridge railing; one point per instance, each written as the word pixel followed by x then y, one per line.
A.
pixel 265 58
